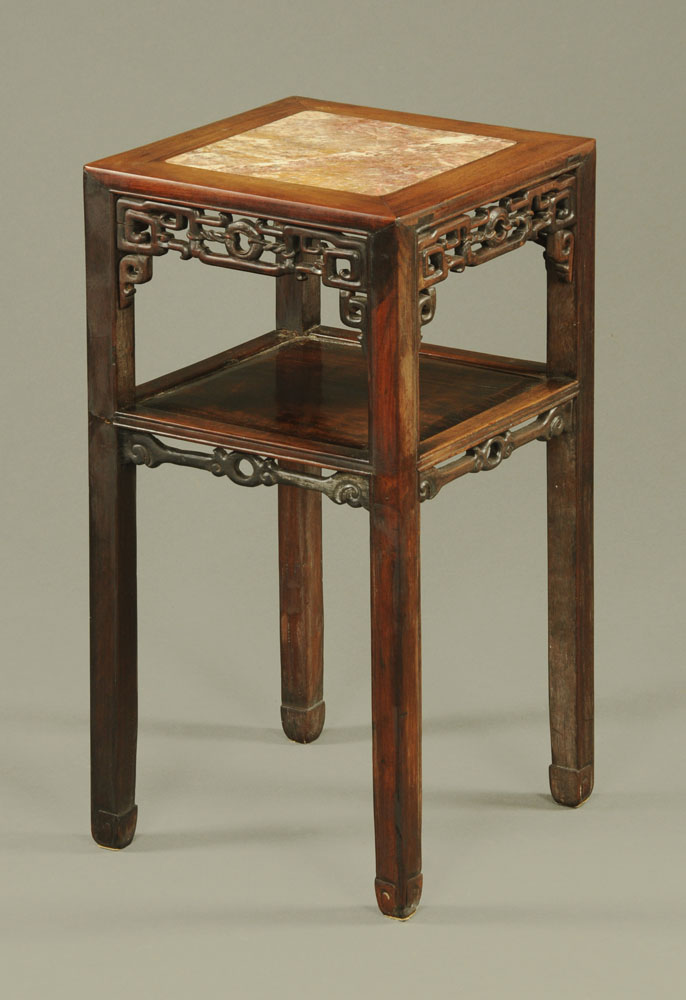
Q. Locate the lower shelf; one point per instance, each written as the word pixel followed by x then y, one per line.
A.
pixel 305 398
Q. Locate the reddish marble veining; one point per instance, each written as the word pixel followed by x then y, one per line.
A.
pixel 341 152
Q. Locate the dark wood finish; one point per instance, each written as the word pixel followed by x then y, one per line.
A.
pixel 493 451
pixel 301 596
pixel 112 537
pixel 459 354
pixel 208 366
pixel 245 469
pixel 535 399
pixel 202 430
pixel 144 170
pixel 373 403
pixel 478 358
pixel 302 610
pixel 147 229
pixel 298 303
pixel 394 541
pixel 535 156
pixel 308 396
pixel 570 516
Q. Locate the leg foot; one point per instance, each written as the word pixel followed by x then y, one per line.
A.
pixel 398 901
pixel 570 787
pixel 303 725
pixel 114 831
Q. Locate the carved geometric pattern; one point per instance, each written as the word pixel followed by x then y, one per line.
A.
pixel 353 309
pixel 542 212
pixel 148 229
pixel 491 453
pixel 342 487
pixel 559 252
pixel 427 305
pixel 134 269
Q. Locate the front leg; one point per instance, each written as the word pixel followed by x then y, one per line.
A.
pixel 114 695
pixel 393 348
pixel 300 546
pixel 112 482
pixel 396 692
pixel 570 516
pixel 302 610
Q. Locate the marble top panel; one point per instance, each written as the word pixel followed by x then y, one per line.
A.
pixel 341 152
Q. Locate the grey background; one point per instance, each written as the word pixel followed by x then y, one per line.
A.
pixel 251 874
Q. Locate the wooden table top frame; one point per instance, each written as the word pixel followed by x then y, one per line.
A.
pixel 372 402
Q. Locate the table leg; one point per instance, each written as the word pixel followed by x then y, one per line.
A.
pixel 113 639
pixel 396 694
pixel 570 517
pixel 302 610
pixel 570 621
pixel 393 352
pixel 298 309
pixel 112 482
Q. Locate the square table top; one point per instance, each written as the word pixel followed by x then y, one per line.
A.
pixel 338 163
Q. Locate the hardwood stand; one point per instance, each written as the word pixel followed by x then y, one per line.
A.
pixel 366 414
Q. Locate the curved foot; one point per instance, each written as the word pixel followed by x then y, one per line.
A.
pixel 112 830
pixel 303 725
pixel 399 901
pixel 570 787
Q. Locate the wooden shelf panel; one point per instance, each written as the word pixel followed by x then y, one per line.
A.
pixel 306 398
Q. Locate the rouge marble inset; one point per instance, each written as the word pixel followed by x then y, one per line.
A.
pixel 361 155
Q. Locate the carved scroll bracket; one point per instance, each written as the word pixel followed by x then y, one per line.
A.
pixel 491 453
pixel 341 487
pixel 543 212
pixel 134 269
pixel 147 229
pixel 427 305
pixel 559 252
